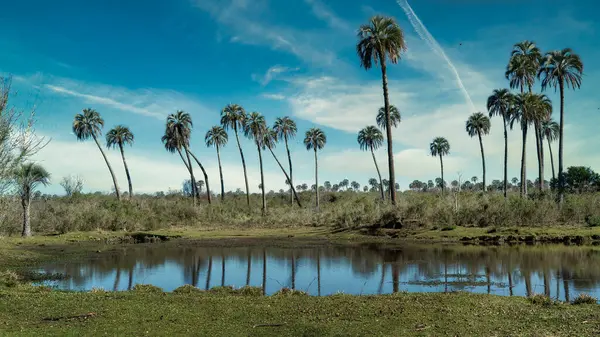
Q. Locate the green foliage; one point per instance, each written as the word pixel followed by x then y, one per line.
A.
pixel 585 299
pixel 147 288
pixel 539 299
pixel 187 289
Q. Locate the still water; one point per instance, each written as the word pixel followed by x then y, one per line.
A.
pixel 558 271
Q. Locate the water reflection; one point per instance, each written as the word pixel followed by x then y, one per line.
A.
pixel 557 271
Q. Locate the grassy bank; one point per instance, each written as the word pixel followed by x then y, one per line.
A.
pixel 341 210
pixel 34 312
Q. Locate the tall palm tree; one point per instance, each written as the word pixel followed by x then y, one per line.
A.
pixel 269 143
pixel 217 137
pixel 476 125
pixel 26 179
pixel 88 125
pixel 379 40
pixel 500 103
pixel 285 129
pixel 560 68
pixel 117 137
pixel 528 109
pixel 315 139
pixel 256 128
pixel 233 116
pixel 394 116
pixel 440 147
pixel 550 131
pixel 180 125
pixel 173 143
pixel 371 138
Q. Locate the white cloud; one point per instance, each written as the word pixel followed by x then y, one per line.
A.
pixel 276 97
pixel 272 74
pixel 324 13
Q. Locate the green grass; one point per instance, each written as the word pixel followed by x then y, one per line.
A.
pixel 31 313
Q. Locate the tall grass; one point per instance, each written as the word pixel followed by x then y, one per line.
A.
pixel 341 209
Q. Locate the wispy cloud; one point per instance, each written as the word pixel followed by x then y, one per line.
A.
pixel 272 74
pixel 275 97
pixel 324 13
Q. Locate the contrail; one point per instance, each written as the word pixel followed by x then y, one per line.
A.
pixel 434 45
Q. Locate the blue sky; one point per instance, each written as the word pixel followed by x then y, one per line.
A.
pixel 137 61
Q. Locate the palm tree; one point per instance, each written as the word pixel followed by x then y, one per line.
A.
pixel 371 138
pixel 394 116
pixel 550 130
pixel 528 109
pixel 315 139
pixel 440 147
pixel 26 179
pixel 88 125
pixel 269 142
pixel 476 125
pixel 560 68
pixel 217 137
pixel 285 129
pixel 500 103
pixel 173 143
pixel 256 128
pixel 380 40
pixel 234 116
pixel 180 125
pixel 117 137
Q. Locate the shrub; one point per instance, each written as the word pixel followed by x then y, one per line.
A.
pixel 187 289
pixel 290 292
pixel 147 288
pixel 539 299
pixel 585 299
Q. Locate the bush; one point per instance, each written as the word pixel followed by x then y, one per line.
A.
pixel 585 299
pixel 187 289
pixel 539 299
pixel 290 292
pixel 147 288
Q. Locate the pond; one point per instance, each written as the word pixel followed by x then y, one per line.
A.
pixel 558 271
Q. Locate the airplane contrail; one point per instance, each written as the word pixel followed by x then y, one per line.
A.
pixel 434 46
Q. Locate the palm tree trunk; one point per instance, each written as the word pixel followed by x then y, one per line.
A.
pixel 293 271
pixel 208 272
pixel 561 180
pixel 542 164
pixel 222 270
pixel 290 179
pixel 264 279
pixel 109 168
pixel 25 202
pixel 318 273
pixel 117 279
pixel 395 277
pixel 388 128
pixel 205 177
pixel 378 174
pixel 221 175
pixel 130 277
pixel 524 162
pixel 505 157
pixel 551 160
pixel 262 181
pixel 286 177
pixel 539 158
pixel 193 179
pixel 317 178
pixel 482 159
pixel 126 171
pixel 237 138
pixel 249 268
pixel 380 289
pixel 442 170
pixel 187 166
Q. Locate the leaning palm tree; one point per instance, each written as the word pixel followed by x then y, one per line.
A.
pixel 476 125
pixel 117 137
pixel 528 109
pixel 560 68
pixel 315 139
pixel 270 140
pixel 217 137
pixel 255 128
pixel 172 143
pixel 234 116
pixel 285 129
pixel 440 147
pixel 378 41
pixel 370 138
pixel 521 71
pixel 550 131
pixel 26 179
pixel 88 125
pixel 500 103
pixel 394 116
